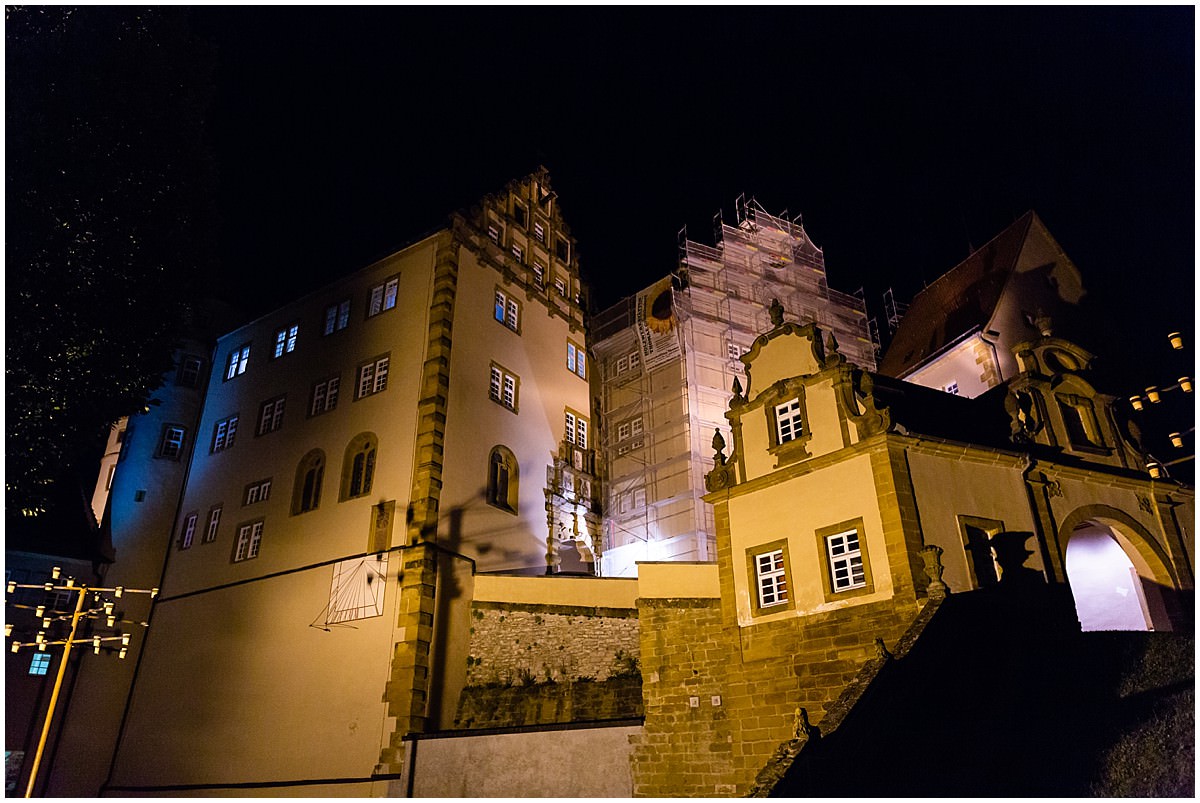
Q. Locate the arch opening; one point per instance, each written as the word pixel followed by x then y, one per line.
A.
pixel 1109 591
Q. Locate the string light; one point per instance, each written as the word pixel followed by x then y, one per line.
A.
pixel 16 647
pixel 56 572
pixel 1136 401
pixel 1176 440
pixel 1176 339
pixel 112 620
pixel 96 645
pixel 7 630
pixel 1185 384
pixel 40 612
pixel 124 639
pixel 121 654
pixel 1152 394
pixel 12 586
pixel 118 591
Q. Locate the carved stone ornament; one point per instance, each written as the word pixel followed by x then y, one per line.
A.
pixel 1054 488
pixel 1145 504
pixel 776 312
pixel 718 445
pixel 802 728
pixel 881 650
pixel 932 555
pixel 737 400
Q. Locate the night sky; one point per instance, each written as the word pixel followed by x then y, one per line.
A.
pixel 903 137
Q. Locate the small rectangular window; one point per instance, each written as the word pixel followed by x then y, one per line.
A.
pixel 636 426
pixel 635 360
pixel 257 492
pixel 40 664
pixel 575 429
pixel 189 531
pixel 539 232
pixel 518 252
pixel 507 310
pixel 560 286
pixel 622 365
pixel 494 232
pixel 214 522
pixel 224 432
pixel 337 317
pixel 503 387
pixel 845 561
pixel 562 249
pixel 189 371
pixel 772 578
pixel 324 396
pixel 238 358
pixel 576 359
pixel 539 272
pixel 382 297
pixel 519 214
pixel 623 431
pixel 372 377
pixel 248 540
pixel 951 388
pixel 285 340
pixel 787 421
pixel 734 350
pixel 171 445
pixel 270 415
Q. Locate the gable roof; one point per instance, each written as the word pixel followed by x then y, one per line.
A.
pixel 961 301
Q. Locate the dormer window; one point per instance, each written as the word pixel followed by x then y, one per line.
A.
pixel 788 422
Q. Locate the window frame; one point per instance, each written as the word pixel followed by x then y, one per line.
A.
pixel 576 359
pixel 255 492
pixel 187 530
pixel 754 577
pixel 39 664
pixel 186 371
pixel 389 295
pixel 378 385
pixel 337 317
pixel 503 456
pixel 575 428
pixel 249 536
pixel 178 444
pixel 823 536
pixel 214 524
pixel 506 310
pixel 328 399
pixel 365 444
pixel 306 499
pixel 275 408
pixel 285 340
pixel 222 441
pixel 501 382
pixel 237 362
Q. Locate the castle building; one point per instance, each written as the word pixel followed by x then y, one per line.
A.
pixel 666 358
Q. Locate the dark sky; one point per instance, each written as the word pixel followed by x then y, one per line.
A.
pixel 903 136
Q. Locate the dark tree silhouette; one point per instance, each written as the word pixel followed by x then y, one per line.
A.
pixel 108 190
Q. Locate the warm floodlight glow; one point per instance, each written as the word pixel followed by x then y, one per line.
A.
pixel 48 586
pixel 41 646
pixel 1176 339
pixel 46 622
pixel 153 593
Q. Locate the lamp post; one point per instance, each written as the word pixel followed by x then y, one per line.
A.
pixel 101 608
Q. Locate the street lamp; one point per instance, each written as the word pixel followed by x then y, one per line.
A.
pixel 100 608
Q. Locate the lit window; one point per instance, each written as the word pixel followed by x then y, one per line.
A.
pixel 772 578
pixel 257 492
pixel 306 495
pixel 40 664
pixel 507 310
pixel 337 317
pixel 539 272
pixel 372 377
pixel 952 388
pixel 214 522
pixel 787 420
pixel 324 396
pixel 237 362
pixel 383 296
pixel 248 540
pixel 270 415
pixel 576 360
pixel 189 531
pixel 518 252
pixel 189 371
pixel 560 286
pixel 845 561
pixel 539 231
pixel 575 429
pixel 171 445
pixel 285 340
pixel 224 432
pixel 503 387
pixel 358 466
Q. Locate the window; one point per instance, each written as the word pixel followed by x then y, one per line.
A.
pixel 1079 417
pixel 560 286
pixel 171 444
pixel 306 494
pixel 787 421
pixel 623 431
pixel 576 429
pixel 257 492
pixel 845 561
pixel 952 388
pixel 977 537
pixel 237 362
pixel 539 232
pixel 358 466
pixel 248 540
pixel 507 310
pixel 224 432
pixel 324 396
pixel 285 340
pixel 189 371
pixel 635 359
pixel 622 365
pixel 772 578
pixel 539 272
pixel 576 359
pixel 519 214
pixel 40 664
pixel 188 532
pixel 382 297
pixel 518 252
pixel 270 415
pixel 503 387
pixel 372 377
pixel 494 232
pixel 734 350
pixel 214 521
pixel 562 249
pixel 503 475
pixel 337 317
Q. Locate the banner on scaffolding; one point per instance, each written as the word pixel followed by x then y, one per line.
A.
pixel 657 324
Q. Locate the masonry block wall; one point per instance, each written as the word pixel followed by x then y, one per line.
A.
pixel 537 664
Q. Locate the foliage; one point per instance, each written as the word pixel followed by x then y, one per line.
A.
pixel 625 665
pixel 108 183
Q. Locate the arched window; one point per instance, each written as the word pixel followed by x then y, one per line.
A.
pixel 358 466
pixel 306 494
pixel 503 476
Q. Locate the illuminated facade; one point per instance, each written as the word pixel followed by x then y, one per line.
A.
pixel 667 359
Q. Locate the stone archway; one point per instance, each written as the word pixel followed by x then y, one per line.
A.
pixel 1116 571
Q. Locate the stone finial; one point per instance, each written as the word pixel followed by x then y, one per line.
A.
pixel 802 728
pixel 1044 326
pixel 737 399
pixel 718 445
pixel 776 312
pixel 831 344
pixel 881 650
pixel 932 555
